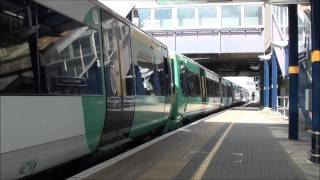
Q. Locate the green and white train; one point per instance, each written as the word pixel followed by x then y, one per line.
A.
pixel 76 77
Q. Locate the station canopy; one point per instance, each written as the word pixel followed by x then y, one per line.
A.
pixel 165 2
pixel 123 7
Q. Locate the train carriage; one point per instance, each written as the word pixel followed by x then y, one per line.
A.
pixel 77 77
pixel 52 95
pixel 237 93
pixel 213 91
pixel 190 79
pixel 227 93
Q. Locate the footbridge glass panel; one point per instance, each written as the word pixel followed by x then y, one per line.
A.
pixel 200 16
pixel 252 15
pixel 163 17
pixel 208 16
pixel 186 17
pixel 231 16
pixel 217 27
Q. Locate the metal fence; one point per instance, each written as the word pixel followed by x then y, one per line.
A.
pixel 283 106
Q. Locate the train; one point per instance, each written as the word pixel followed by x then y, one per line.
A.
pixel 77 77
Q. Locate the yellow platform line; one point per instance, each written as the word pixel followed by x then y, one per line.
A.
pixel 205 164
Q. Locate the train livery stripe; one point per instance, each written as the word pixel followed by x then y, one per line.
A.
pixel 94 115
pixel 94 106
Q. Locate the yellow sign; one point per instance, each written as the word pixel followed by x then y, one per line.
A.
pixel 315 56
pixel 294 70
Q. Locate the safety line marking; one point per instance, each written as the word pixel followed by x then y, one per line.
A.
pixel 293 69
pixel 86 173
pixel 315 56
pixel 205 164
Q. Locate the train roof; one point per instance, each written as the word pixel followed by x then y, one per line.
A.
pixel 98 4
pixel 124 20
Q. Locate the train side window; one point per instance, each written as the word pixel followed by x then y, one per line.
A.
pixel 43 51
pixel 197 85
pixel 148 64
pixel 144 68
pixel 190 82
pixel 166 77
pixel 18 59
pixel 215 91
pixel 183 80
pixel 117 54
pixel 159 71
pixel 171 64
pixel 111 55
pixel 223 89
pixel 125 59
pixel 166 74
pixel 229 92
pixel 208 87
pixel 215 88
pixel 69 55
pixel 212 88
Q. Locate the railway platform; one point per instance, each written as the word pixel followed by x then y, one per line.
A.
pixel 240 143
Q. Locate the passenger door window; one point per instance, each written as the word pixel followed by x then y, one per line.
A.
pixel 166 73
pixel 145 76
pixel 148 65
pixel 111 57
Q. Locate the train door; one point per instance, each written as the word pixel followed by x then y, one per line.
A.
pixel 223 93
pixel 203 89
pixel 118 80
pixel 167 79
pixel 184 84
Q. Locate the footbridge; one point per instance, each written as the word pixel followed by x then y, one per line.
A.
pixel 225 37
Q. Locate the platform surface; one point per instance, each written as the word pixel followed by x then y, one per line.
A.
pixel 233 144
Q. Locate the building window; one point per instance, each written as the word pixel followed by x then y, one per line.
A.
pixel 252 15
pixel 163 17
pixel 231 16
pixel 208 16
pixel 186 17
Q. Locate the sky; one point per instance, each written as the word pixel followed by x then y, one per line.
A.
pixel 246 82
